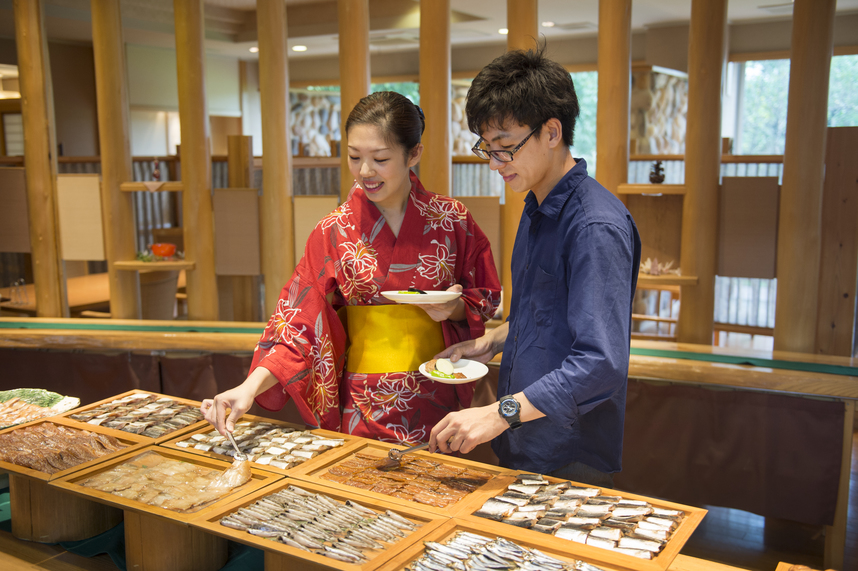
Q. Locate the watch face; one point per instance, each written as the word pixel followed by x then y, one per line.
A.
pixel 509 407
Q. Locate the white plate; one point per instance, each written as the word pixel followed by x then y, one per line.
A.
pixel 472 370
pixel 428 297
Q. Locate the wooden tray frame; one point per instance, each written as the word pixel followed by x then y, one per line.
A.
pixel 311 473
pixel 259 479
pixel 164 438
pixel 133 442
pixel 443 532
pixel 598 555
pixel 172 443
pixel 298 559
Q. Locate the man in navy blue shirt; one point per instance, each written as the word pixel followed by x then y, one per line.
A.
pixel 565 344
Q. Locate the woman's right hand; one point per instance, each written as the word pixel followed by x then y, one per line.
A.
pixel 237 401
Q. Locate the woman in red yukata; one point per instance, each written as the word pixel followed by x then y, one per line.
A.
pixel 347 355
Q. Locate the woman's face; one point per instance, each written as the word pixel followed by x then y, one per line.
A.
pixel 379 167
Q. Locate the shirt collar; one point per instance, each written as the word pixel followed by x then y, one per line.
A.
pixel 553 204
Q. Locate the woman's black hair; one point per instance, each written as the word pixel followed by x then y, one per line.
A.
pixel 400 121
pixel 525 87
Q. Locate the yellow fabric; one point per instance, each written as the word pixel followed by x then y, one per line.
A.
pixel 390 338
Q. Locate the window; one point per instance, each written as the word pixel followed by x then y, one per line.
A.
pixel 586 87
pixel 764 97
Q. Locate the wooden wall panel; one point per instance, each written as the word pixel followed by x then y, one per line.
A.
pixel 748 227
pixel 236 222
pixel 14 221
pixel 839 262
pixel 79 206
pixel 659 221
pixel 308 211
pixel 486 211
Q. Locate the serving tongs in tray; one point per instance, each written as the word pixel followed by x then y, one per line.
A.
pixel 394 457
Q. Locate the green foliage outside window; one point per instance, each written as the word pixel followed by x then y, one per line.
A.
pixel 586 87
pixel 409 89
pixel 766 96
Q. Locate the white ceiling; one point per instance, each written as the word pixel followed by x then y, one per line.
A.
pixel 231 28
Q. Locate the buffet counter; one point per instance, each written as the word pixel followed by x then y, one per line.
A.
pixel 765 432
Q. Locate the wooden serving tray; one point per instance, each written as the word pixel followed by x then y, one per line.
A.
pixel 279 555
pixel 172 443
pixel 164 438
pixel 597 555
pixel 453 526
pixel 496 485
pixel 133 442
pixel 71 483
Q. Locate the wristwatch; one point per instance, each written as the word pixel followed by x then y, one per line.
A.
pixel 509 409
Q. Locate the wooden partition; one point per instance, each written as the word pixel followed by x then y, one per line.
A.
pixel 308 211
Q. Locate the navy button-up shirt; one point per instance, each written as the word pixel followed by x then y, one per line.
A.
pixel 574 271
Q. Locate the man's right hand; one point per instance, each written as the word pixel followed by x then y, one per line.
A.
pixel 482 349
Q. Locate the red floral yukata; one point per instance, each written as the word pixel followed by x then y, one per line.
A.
pixel 352 256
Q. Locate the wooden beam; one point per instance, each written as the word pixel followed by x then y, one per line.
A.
pixel 242 299
pixel 353 23
pixel 839 247
pixel 276 224
pixel 612 113
pixel 197 218
pixel 436 170
pixel 40 143
pixel 799 221
pixel 521 16
pixel 114 134
pixel 702 166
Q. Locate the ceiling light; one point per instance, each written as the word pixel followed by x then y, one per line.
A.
pixel 254 50
pixel 503 31
pixel 299 48
pixel 547 24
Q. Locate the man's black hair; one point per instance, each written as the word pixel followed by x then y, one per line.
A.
pixel 526 87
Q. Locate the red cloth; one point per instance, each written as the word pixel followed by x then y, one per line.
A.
pixel 352 256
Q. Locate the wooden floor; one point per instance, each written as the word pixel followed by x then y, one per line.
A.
pixel 728 536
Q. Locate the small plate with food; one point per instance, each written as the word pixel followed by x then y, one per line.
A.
pixel 446 371
pixel 414 295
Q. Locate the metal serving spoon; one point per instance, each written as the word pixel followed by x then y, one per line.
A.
pixel 239 455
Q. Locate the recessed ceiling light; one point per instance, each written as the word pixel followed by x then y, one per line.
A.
pixel 299 48
pixel 254 50
pixel 547 24
pixel 503 31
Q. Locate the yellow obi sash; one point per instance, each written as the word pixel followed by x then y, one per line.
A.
pixel 390 338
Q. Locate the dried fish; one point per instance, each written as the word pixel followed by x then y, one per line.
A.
pixel 141 413
pixel 51 448
pixel 320 524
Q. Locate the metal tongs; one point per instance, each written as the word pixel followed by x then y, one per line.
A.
pixel 239 455
pixel 394 457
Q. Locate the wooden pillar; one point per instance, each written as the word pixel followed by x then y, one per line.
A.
pixel 40 143
pixel 521 16
pixel 612 114
pixel 799 221
pixel 197 217
pixel 278 236
pixel 117 208
pixel 435 86
pixel 239 295
pixel 702 165
pixel 353 23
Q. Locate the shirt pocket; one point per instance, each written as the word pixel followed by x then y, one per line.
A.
pixel 542 302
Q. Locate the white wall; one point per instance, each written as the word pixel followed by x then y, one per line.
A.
pixel 153 81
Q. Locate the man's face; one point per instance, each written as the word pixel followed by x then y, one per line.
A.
pixel 529 165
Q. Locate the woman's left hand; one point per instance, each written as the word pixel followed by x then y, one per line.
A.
pixel 453 310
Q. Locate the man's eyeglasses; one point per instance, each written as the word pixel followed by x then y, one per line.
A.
pixel 502 156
